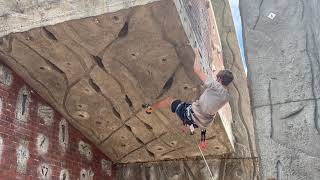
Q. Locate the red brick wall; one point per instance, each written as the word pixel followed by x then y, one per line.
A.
pixel 14 133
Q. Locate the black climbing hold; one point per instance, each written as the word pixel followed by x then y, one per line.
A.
pixel 94 86
pixel 116 113
pixel 128 101
pixel 99 62
pixel 147 126
pixel 129 128
pixel 124 31
pixel 116 18
pixel 49 34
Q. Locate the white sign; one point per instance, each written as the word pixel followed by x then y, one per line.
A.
pixel 271 16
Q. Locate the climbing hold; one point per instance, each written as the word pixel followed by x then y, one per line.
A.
pixel 124 31
pixel 148 108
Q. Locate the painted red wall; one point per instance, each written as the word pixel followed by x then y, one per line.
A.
pixel 15 133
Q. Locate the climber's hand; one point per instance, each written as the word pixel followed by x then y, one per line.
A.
pixel 197 66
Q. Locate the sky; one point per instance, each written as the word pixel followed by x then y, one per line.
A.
pixel 238 25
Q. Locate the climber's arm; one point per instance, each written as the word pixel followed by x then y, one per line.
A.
pixel 197 67
pixel 165 103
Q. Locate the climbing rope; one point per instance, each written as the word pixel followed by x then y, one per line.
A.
pixel 149 111
pixel 206 162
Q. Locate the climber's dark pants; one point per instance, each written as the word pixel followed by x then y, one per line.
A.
pixel 184 111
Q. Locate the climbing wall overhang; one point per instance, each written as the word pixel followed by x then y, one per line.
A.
pixel 98 71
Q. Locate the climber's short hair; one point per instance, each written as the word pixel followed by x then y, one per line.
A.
pixel 226 77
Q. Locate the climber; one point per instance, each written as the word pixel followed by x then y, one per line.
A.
pixel 201 113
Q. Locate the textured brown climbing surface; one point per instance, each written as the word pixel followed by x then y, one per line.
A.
pixel 98 71
pixel 243 163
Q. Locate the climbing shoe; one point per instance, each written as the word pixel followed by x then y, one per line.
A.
pixel 203 142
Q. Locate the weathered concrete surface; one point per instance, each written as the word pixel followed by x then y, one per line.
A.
pixel 284 74
pixel 176 170
pixel 19 16
pixel 98 71
pixel 188 170
pixel 242 126
pixel 243 164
